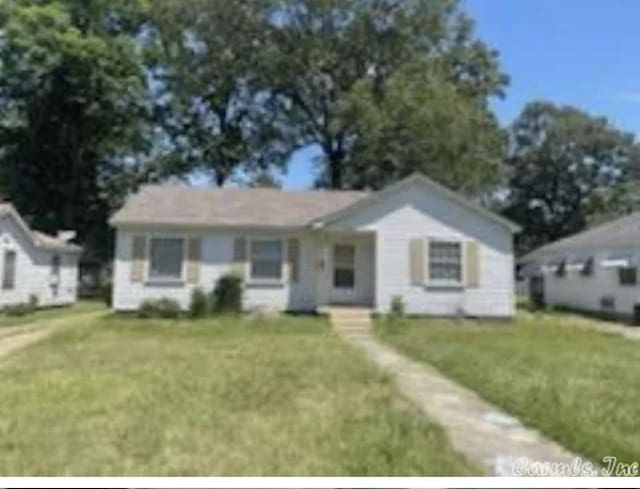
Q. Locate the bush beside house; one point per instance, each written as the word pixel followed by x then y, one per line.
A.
pixel 226 297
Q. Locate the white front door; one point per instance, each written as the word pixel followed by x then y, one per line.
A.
pixel 343 286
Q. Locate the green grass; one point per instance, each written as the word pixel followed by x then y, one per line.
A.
pixel 214 397
pixel 51 313
pixel 578 386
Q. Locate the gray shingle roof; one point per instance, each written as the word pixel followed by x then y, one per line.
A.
pixel 619 233
pixel 182 205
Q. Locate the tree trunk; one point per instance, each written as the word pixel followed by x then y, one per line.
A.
pixel 221 178
pixel 336 162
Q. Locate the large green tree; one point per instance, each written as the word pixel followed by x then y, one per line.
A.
pixel 330 60
pixel 423 123
pixel 210 100
pixel 73 107
pixel 567 169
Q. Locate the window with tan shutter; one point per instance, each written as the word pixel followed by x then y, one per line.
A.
pixel 445 262
pixel 265 260
pixel 166 256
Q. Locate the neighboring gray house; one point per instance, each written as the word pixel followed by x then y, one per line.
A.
pixel 595 270
pixel 35 264
pixel 302 250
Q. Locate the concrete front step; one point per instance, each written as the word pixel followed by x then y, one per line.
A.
pixel 352 322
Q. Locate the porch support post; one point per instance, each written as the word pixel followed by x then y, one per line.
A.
pixel 321 264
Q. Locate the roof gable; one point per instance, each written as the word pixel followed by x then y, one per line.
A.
pixel 618 233
pixel 38 239
pixel 426 182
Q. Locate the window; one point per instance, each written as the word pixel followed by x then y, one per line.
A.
pixel 587 268
pixel 445 261
pixel 165 258
pixel 344 266
pixel 561 268
pixel 9 270
pixel 266 259
pixel 55 269
pixel 628 275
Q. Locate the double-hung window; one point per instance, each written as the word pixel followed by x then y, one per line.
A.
pixel 445 262
pixel 55 269
pixel 9 270
pixel 628 275
pixel 166 257
pixel 265 260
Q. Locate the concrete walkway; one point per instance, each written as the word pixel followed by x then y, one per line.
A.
pixel 38 330
pixel 486 436
pixel 629 332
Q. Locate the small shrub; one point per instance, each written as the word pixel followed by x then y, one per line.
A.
pixel 106 293
pixel 19 309
pixel 164 308
pixel 34 301
pixel 396 309
pixel 147 309
pixel 199 305
pixel 227 294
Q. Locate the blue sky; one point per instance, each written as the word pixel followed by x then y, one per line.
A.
pixel 584 53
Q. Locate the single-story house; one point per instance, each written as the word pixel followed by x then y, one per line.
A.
pixel 35 265
pixel 595 270
pixel 303 250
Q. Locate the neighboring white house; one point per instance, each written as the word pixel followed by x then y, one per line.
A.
pixel 301 250
pixel 34 264
pixel 595 270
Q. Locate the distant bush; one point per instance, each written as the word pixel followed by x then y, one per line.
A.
pixel 164 308
pixel 21 309
pixel 34 301
pixel 106 292
pixel 396 310
pixel 199 305
pixel 227 294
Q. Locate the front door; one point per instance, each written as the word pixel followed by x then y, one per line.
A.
pixel 343 273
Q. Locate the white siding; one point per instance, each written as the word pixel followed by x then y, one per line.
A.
pixel 382 269
pixel 419 212
pixel 217 253
pixel 33 270
pixel 585 292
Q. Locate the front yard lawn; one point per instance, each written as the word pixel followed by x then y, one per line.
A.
pixel 213 397
pixel 578 386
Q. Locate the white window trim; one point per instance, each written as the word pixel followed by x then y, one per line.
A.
pixel 463 264
pixel 247 269
pixel 159 280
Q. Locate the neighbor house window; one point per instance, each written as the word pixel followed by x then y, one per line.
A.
pixel 9 270
pixel 445 261
pixel 55 274
pixel 344 257
pixel 55 269
pixel 628 275
pixel 165 258
pixel 266 259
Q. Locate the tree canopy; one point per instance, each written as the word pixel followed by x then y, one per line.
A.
pixel 211 101
pixel 98 96
pixel 73 104
pixel 335 62
pixel 567 169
